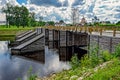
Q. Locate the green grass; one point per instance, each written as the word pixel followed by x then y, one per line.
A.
pixel 110 72
pixel 10 33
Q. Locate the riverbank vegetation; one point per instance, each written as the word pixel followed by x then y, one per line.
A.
pixel 10 33
pixel 93 66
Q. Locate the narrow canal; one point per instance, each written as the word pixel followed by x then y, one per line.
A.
pixel 42 63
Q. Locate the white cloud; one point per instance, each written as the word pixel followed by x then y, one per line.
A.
pixel 103 9
pixel 107 9
pixel 61 1
pixel 70 2
pixel 3 47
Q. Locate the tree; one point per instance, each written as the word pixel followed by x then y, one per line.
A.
pixel 51 23
pixel 16 15
pixel 61 21
pixel 32 21
pixel 118 22
pixel 108 22
pixel 7 10
pixel 24 16
pixel 95 20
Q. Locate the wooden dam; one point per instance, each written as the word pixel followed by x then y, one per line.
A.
pixel 67 40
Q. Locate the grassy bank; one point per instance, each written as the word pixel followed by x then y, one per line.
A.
pixel 10 33
pixel 106 66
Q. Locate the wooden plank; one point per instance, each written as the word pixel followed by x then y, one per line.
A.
pixel 63 38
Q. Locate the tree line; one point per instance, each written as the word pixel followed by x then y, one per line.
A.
pixel 20 16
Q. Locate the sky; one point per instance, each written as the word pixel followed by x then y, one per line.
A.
pixel 56 10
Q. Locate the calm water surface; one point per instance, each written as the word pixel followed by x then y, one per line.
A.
pixel 42 63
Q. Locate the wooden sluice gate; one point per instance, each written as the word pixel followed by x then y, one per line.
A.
pixel 65 53
pixel 66 49
pixel 53 39
pixel 46 37
pixel 65 42
pixel 80 39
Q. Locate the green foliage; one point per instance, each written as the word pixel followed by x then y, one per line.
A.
pixel 85 62
pixel 106 56
pixel 16 15
pixel 118 23
pixel 30 75
pixel 75 62
pixel 10 33
pixel 42 23
pixel 110 72
pixel 117 51
pixel 93 55
pixel 51 23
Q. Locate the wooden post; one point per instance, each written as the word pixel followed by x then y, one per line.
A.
pixel 46 36
pixel 114 32
pixel 111 45
pixel 56 39
pixel 101 31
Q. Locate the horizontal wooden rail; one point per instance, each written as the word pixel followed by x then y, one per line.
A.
pixel 87 29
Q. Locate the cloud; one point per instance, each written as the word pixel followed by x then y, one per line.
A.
pixel 60 9
pixel 107 10
pixel 3 47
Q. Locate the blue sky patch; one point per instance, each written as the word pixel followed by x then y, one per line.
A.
pixel 22 1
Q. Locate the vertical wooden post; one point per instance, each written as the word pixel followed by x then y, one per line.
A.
pixel 101 31
pixel 110 45
pixel 114 32
pixel 46 36
pixel 88 46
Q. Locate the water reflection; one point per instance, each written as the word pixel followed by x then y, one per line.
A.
pixel 37 56
pixel 14 67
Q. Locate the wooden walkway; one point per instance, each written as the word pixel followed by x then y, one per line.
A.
pixel 23 34
pixel 28 42
pixel 24 37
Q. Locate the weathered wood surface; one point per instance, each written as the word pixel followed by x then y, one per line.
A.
pixel 64 38
pixel 23 34
pixel 29 35
pixel 104 42
pixel 80 39
pixel 34 44
pixel 65 53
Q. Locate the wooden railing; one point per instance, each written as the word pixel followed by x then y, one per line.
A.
pixel 87 29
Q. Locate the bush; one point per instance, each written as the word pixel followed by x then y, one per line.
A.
pixel 94 55
pixel 75 62
pixel 117 51
pixel 85 61
pixel 106 56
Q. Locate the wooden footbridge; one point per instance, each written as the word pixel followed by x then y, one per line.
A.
pixel 66 39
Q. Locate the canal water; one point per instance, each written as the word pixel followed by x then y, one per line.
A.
pixel 42 63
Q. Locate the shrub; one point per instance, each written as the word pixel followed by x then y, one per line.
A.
pixel 106 56
pixel 117 51
pixel 75 62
